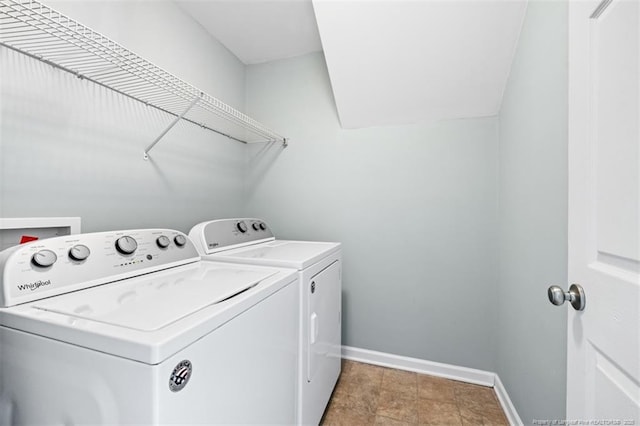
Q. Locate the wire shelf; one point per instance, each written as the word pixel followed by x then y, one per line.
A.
pixel 40 32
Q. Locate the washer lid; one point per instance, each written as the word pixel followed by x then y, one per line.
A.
pixel 150 317
pixel 151 305
pixel 288 254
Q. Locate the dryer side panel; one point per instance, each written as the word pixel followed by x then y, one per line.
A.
pixel 324 309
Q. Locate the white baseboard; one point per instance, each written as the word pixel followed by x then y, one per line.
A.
pixel 463 374
pixel 507 406
pixel 448 371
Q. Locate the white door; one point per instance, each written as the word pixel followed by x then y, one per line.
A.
pixel 603 355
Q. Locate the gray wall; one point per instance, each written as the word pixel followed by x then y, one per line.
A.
pixel 531 347
pixel 70 148
pixel 414 206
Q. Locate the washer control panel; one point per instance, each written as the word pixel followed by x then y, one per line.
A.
pixel 46 268
pixel 223 234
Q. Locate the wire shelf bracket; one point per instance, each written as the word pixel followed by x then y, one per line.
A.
pixel 33 29
pixel 173 123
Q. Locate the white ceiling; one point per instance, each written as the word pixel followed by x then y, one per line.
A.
pixel 397 62
pixel 390 61
pixel 258 30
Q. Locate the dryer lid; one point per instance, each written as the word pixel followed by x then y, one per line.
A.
pixel 151 303
pixel 288 254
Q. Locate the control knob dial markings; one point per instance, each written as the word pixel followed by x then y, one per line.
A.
pixel 180 240
pixel 163 241
pixel 79 252
pixel 126 244
pixel 44 258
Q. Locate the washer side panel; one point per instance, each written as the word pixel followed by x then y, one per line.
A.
pixel 242 373
pixel 44 381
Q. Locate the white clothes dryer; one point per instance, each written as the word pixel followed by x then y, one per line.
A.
pixel 319 266
pixel 131 327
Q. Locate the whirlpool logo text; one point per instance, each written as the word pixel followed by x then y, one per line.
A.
pixel 34 286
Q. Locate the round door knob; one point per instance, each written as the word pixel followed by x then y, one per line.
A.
pixel 79 252
pixel 44 258
pixel 180 240
pixel 556 295
pixel 575 296
pixel 126 244
pixel 163 241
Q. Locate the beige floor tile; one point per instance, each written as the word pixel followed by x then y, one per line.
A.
pixel 495 418
pixel 346 417
pixel 365 374
pixel 476 395
pixel 386 421
pixel 371 395
pixel 346 366
pixel 341 384
pixel 432 412
pixel 470 417
pixel 401 382
pixel 358 397
pixel 397 406
pixel 436 388
pixel 488 416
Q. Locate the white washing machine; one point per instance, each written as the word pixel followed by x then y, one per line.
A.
pixel 133 328
pixel 319 266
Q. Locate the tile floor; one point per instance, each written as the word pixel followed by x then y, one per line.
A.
pixel 371 395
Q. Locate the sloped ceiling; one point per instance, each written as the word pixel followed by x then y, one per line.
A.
pixel 398 62
pixel 390 62
pixel 258 30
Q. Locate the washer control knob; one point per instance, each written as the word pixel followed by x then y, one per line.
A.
pixel 242 227
pixel 163 241
pixel 255 226
pixel 126 244
pixel 180 240
pixel 263 226
pixel 44 258
pixel 79 252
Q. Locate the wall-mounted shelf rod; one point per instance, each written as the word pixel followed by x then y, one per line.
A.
pixel 40 32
